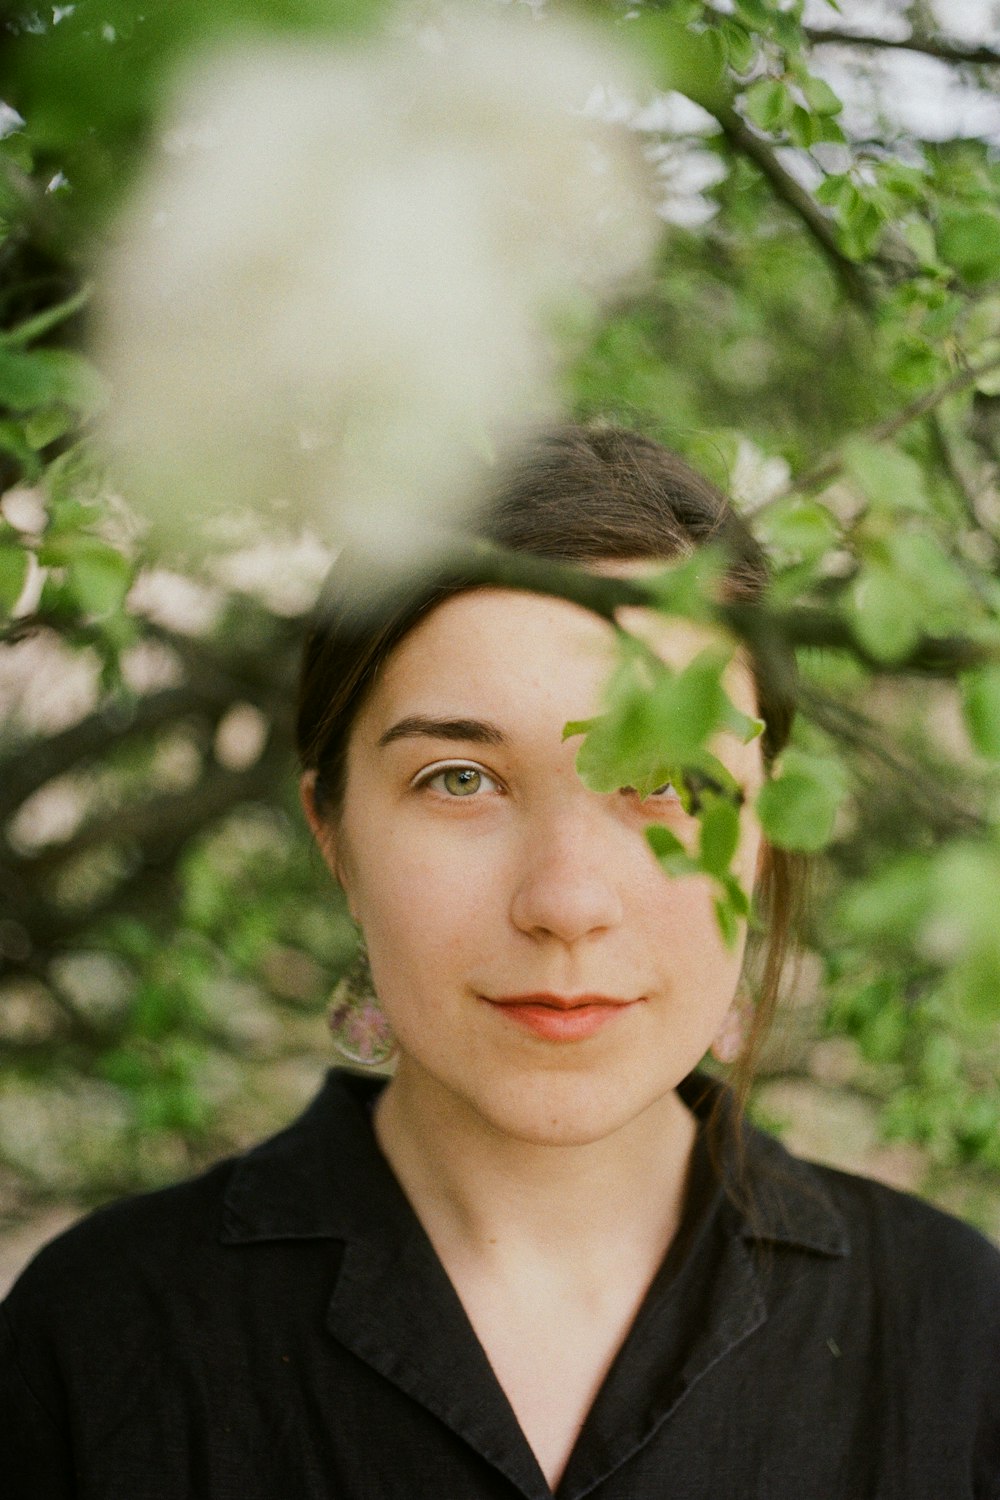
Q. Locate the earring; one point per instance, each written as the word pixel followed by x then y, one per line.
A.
pixel 731 1036
pixel 359 1026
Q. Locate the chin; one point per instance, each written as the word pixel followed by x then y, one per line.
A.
pixel 549 1110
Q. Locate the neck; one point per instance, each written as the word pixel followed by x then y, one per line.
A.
pixel 483 1195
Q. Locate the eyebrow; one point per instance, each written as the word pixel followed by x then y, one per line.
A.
pixel 479 731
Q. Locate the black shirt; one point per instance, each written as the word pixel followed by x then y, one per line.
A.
pixel 282 1329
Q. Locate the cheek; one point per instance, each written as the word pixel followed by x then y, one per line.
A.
pixel 422 902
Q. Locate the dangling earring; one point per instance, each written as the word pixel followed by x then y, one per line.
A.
pixel 731 1036
pixel 359 1026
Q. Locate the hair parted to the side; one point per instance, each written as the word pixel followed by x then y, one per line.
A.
pixel 580 495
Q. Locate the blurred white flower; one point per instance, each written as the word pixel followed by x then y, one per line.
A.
pixel 338 283
pixel 755 477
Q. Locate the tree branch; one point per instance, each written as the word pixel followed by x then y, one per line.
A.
pixel 771 634
pixel 215 680
pixel 947 51
pixel 40 761
pixel 157 823
pixel 801 202
pixel 829 467
pixel 934 804
pixel 160 829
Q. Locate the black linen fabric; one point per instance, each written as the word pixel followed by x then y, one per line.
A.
pixel 282 1329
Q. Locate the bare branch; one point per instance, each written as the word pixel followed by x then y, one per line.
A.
pixel 941 47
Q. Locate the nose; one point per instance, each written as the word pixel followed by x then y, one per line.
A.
pixel 566 886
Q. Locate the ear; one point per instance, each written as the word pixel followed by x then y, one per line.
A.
pixel 321 829
pixel 307 796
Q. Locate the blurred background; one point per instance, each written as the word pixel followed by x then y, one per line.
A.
pixel 818 329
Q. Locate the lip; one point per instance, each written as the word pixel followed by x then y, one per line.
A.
pixel 560 1018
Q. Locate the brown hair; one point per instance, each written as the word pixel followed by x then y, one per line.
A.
pixel 575 494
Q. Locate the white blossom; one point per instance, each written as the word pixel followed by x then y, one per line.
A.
pixel 338 283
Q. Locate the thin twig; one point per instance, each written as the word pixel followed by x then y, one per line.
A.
pixel 832 464
pixel 938 808
pixel 943 48
pixel 956 470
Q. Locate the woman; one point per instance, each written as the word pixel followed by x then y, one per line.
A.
pixel 546 1256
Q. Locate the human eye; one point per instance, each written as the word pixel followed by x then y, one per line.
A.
pixel 665 793
pixel 457 780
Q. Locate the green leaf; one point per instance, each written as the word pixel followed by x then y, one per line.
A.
pixel 862 226
pixel 689 588
pixel 692 62
pixel 890 478
pixel 915 363
pixel 99 578
pixel 14 440
pixel 969 240
pixel 887 615
pixel 837 191
pixel 42 323
pixel 731 906
pixel 728 921
pixel 736 895
pixel 657 720
pixel 40 377
pixel 741 50
pixel 14 565
pixel 935 575
pixel 981 708
pixel 819 96
pixel 797 809
pixel 756 12
pixel 746 727
pixel 892 904
pixel 670 851
pixel 720 833
pixel 769 104
pixel 920 237
pixel 803 528
pixel 806 129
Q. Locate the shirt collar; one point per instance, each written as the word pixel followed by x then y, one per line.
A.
pixel 325 1178
pixel 393 1306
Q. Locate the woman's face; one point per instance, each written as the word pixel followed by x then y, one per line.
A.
pixel 482 870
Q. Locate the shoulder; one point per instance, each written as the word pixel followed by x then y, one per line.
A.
pixel 126 1242
pixel 884 1222
pixel 290 1187
pixel 910 1256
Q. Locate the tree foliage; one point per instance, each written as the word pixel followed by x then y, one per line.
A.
pixel 823 338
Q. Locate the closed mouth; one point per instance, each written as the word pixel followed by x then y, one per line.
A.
pixel 558 1002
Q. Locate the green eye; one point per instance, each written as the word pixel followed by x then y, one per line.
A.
pixel 461 781
pixel 458 781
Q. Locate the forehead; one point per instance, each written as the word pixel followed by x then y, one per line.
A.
pixel 503 653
